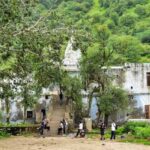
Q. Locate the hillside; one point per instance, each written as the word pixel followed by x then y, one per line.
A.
pixel 127 20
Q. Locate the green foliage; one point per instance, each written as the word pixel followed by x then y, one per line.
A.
pixel 120 130
pixel 122 18
pixel 127 47
pixel 4 134
pixel 72 87
pixel 128 20
pixel 112 100
pixel 141 132
pixel 131 126
pixel 16 125
pixel 30 51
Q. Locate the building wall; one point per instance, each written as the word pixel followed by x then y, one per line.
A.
pixel 133 78
pixel 136 83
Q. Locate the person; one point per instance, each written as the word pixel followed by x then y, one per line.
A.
pixel 42 127
pixel 113 131
pixel 80 128
pixel 61 97
pixel 65 126
pixel 102 131
pixel 60 128
pixel 47 124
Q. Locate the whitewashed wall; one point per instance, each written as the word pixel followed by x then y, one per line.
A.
pixel 136 83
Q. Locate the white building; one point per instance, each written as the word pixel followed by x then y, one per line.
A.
pixel 135 78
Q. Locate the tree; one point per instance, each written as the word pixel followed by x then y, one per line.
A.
pixel 111 101
pixel 93 63
pixel 35 46
pixel 94 71
pixel 72 89
pixel 128 48
pixel 7 87
pixel 128 20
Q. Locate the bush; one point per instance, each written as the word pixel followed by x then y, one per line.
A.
pixel 141 132
pixel 128 20
pixel 140 10
pixel 4 134
pixel 120 130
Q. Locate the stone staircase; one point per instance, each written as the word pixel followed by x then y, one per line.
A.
pixel 57 115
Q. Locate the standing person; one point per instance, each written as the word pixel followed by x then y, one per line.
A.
pixel 80 128
pixel 61 97
pixel 42 127
pixel 47 126
pixel 102 131
pixel 113 131
pixel 65 126
pixel 60 128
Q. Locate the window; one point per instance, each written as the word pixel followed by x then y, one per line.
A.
pixel 148 78
pixel 46 96
pixel 29 114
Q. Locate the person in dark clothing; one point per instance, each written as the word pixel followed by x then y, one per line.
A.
pixel 61 97
pixel 42 127
pixel 60 128
pixel 102 131
pixel 65 126
pixel 47 124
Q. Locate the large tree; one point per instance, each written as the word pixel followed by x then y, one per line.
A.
pixel 32 43
pixel 94 68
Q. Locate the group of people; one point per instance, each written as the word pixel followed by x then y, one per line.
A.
pixel 44 125
pixel 63 127
pixel 113 130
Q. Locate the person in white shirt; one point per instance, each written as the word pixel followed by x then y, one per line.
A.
pixel 80 128
pixel 113 131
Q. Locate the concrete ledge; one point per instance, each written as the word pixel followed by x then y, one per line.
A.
pixel 139 120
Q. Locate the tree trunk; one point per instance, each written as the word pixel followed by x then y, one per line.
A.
pixel 99 115
pixel 90 97
pixel 106 117
pixel 24 115
pixel 7 110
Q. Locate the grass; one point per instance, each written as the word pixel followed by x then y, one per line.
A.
pixel 17 125
pixel 128 138
pixel 132 139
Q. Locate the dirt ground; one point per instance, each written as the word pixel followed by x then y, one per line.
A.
pixel 64 143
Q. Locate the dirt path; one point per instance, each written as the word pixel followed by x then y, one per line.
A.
pixel 64 143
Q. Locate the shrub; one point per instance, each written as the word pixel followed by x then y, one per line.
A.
pixel 4 134
pixel 141 132
pixel 128 20
pixel 140 10
pixel 120 130
pixel 132 126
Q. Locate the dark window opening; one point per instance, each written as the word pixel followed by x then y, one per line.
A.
pixel 29 114
pixel 46 96
pixel 148 78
